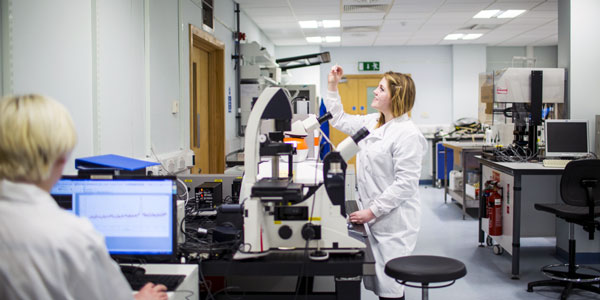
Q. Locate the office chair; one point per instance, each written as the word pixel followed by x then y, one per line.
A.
pixel 580 192
pixel 425 269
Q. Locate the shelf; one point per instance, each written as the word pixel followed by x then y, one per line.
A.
pixel 467 201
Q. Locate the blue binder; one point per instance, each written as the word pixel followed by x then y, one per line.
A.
pixel 112 161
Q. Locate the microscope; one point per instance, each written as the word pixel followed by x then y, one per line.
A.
pixel 280 214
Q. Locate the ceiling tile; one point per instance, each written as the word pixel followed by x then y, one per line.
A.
pixel 348 23
pixel 413 22
pixel 407 15
pixel 527 5
pixel 283 26
pixel 271 11
pixel 422 41
pixel 548 41
pixel 461 6
pixel 541 14
pixel 310 10
pixel 289 42
pixel 390 26
pixel 398 41
pixel 425 7
pixel 262 3
pixel 362 16
pixel 266 20
pixel 547 6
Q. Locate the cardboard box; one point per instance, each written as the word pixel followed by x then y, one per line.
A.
pixel 471 191
pixel 486 88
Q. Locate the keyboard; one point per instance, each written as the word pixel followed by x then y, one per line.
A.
pixel 555 163
pixel 351 206
pixel 138 281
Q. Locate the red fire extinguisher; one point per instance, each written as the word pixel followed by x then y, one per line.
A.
pixel 494 209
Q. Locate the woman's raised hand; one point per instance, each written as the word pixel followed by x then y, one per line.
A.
pixel 334 77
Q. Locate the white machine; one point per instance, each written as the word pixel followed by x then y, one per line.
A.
pixel 280 214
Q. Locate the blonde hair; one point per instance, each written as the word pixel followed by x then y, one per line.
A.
pixel 402 94
pixel 35 131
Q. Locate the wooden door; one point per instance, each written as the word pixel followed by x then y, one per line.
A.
pixel 207 102
pixel 356 92
pixel 199 112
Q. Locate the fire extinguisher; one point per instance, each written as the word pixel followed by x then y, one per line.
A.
pixel 494 208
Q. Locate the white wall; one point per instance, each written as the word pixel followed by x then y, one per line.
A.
pixel 51 54
pixel 502 57
pixel 118 66
pixel 467 62
pixel 585 63
pixel 430 68
pixel 120 77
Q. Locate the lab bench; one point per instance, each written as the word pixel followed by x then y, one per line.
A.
pixel 437 153
pixel 463 159
pixel 523 185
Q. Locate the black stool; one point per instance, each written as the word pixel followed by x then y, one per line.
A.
pixel 425 269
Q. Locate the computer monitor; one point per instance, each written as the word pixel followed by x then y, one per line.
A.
pixel 136 214
pixel 566 138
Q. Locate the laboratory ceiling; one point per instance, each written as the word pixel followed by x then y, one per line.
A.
pixel 405 22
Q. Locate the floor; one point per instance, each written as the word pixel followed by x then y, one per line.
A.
pixel 445 233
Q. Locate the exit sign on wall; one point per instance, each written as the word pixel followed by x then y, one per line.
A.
pixel 368 66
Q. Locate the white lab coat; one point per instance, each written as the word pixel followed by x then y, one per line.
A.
pixel 388 172
pixel 49 253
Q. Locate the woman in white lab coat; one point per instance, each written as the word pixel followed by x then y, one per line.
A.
pixel 45 251
pixel 388 172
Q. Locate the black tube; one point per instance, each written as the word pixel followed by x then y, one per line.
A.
pixel 324 118
pixel 361 134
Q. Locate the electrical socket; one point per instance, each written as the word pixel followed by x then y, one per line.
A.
pixel 170 165
pixel 182 163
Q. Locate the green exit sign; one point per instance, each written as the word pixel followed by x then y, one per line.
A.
pixel 368 66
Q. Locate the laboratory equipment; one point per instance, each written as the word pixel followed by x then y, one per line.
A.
pixel 280 214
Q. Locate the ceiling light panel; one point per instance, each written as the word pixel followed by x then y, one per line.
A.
pixel 472 36
pixel 308 24
pixel 511 13
pixel 486 14
pixel 314 39
pixel 454 36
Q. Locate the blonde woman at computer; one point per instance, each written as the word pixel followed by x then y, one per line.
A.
pixel 46 252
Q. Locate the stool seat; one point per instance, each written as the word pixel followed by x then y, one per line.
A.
pixel 425 269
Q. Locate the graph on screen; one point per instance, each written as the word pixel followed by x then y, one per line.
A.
pixel 120 215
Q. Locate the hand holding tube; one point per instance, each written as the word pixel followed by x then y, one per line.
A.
pixel 334 77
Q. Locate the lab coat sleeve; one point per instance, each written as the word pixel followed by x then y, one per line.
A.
pixel 347 123
pixel 406 157
pixel 97 276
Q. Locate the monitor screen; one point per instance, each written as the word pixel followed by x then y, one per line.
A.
pixel 136 215
pixel 566 138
